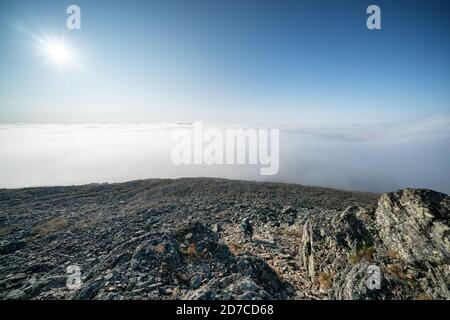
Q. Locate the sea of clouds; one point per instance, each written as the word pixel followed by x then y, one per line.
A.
pixel 375 158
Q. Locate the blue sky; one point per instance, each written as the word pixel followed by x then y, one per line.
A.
pixel 239 61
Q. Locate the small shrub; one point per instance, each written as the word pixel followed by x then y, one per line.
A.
pixel 364 253
pixel 397 270
pixel 182 231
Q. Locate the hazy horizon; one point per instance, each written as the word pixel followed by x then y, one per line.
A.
pixel 359 158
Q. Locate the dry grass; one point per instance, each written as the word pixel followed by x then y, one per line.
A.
pixel 397 270
pixel 235 248
pixel 293 232
pixel 89 222
pixel 50 226
pixel 159 248
pixel 393 255
pixel 191 252
pixel 325 281
pixel 365 253
pixel 4 231
pixel 222 215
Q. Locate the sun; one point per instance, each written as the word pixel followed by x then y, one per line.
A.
pixel 58 53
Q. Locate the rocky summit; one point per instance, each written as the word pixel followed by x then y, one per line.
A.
pixel 182 239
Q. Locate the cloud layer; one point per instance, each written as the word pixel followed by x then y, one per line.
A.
pixel 367 158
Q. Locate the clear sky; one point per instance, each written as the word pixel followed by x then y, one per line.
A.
pixel 243 61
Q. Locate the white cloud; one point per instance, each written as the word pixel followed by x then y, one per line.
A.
pixel 372 158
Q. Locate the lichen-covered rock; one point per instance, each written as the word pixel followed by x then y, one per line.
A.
pixel 415 224
pixel 162 252
pixel 328 238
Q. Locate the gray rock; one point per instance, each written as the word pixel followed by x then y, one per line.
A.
pixel 415 224
pixel 215 227
pixel 11 247
pixel 12 281
pixel 88 291
pixel 17 294
pixel 288 210
pixel 196 281
pixel 308 249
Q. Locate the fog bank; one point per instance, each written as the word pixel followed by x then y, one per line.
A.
pixel 366 158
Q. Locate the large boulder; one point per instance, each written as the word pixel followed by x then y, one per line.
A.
pixel 415 225
pixel 161 252
pixel 329 237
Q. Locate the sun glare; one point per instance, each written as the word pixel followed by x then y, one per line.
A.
pixel 58 53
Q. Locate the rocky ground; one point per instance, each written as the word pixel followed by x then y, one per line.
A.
pixel 181 239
